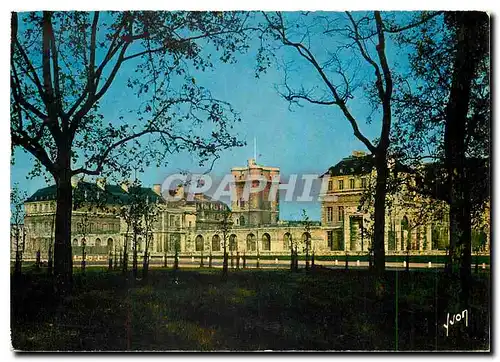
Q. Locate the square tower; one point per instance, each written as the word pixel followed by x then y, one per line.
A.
pixel 258 209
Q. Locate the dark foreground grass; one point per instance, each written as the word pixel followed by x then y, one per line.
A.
pixel 252 310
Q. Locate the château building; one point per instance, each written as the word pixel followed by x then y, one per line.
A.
pixel 408 226
pixel 194 226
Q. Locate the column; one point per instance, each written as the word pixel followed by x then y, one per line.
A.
pixel 347 238
pixel 387 227
pixel 397 228
pixel 428 232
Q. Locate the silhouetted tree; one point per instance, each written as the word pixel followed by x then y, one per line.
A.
pixel 307 242
pixel 17 232
pixel 64 63
pixel 133 212
pixel 446 118
pixel 150 217
pixel 344 53
pixel 225 227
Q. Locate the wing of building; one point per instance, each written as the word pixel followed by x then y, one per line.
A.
pixel 195 225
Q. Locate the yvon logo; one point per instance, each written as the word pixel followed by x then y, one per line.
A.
pixel 455 319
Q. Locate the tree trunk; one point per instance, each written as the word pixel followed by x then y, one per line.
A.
pixel 225 261
pixel 379 224
pixel 125 261
pixel 134 257
pixel 145 259
pixel 469 51
pixel 18 263
pixel 145 265
pixel 307 254
pixel 125 252
pixel 63 260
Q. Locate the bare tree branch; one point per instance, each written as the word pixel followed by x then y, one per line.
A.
pixel 412 25
pixel 307 54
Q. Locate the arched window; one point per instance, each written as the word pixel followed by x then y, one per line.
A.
pixel 306 240
pixel 97 242
pixel 110 245
pixel 287 241
pixel 151 242
pixel 83 242
pixel 75 242
pixel 233 243
pixel 139 244
pixel 251 244
pixel 199 243
pixel 266 242
pixel 405 235
pixel 216 243
pixel 242 220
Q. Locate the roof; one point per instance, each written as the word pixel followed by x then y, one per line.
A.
pixel 112 194
pixel 352 165
pixel 46 193
pixel 359 165
pixel 198 198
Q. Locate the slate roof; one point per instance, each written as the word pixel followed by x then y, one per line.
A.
pixel 113 194
pixel 359 165
pixel 351 166
pixel 199 198
pixel 46 193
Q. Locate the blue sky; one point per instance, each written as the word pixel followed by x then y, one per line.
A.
pixel 306 139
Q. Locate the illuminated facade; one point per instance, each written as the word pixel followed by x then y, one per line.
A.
pixel 195 227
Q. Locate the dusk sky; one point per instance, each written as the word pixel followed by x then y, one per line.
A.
pixel 306 139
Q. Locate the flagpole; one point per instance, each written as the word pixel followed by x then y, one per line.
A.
pixel 255 149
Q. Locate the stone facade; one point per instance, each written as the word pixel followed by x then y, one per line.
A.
pixel 409 226
pixel 195 227
pixel 256 209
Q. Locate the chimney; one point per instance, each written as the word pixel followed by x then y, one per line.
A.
pixel 74 181
pixel 358 153
pixel 124 185
pixel 157 189
pixel 101 183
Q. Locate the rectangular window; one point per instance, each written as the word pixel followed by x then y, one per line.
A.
pixel 330 239
pixel 341 213
pixel 351 183
pixel 338 243
pixel 363 183
pixel 341 184
pixel 330 185
pixel 329 214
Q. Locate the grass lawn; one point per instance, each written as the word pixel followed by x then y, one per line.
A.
pixel 252 310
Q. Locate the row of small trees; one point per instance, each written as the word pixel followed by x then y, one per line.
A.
pixel 442 97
